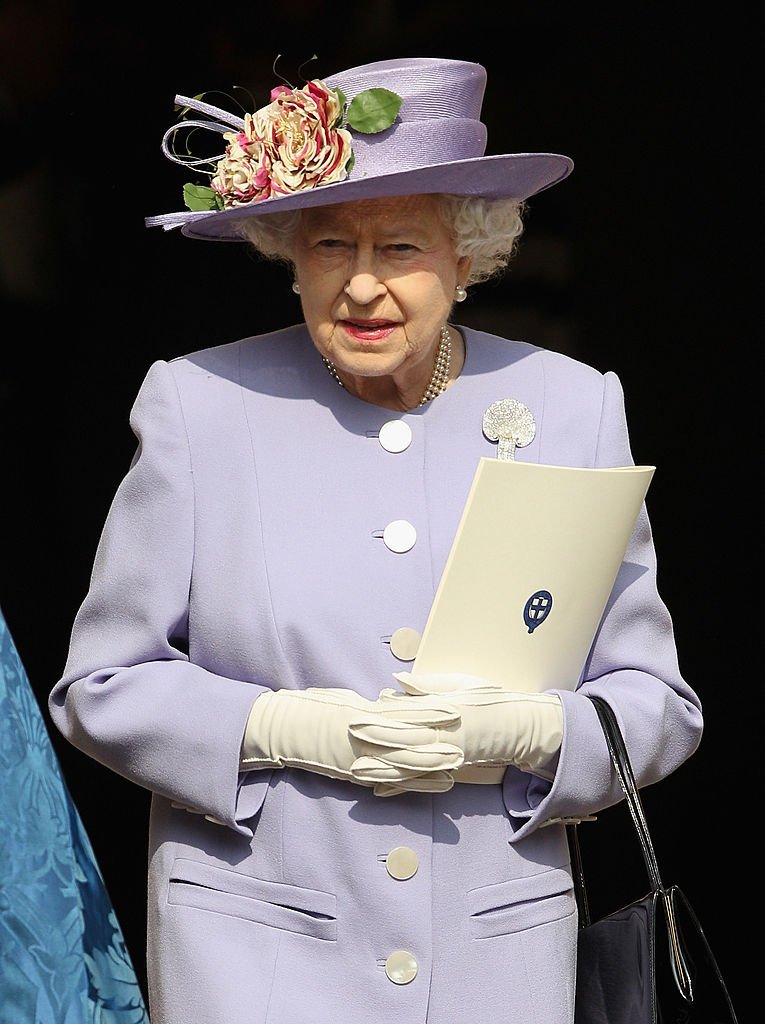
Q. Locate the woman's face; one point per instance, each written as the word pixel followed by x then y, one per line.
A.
pixel 377 280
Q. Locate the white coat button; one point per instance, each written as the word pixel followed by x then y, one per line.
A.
pixel 401 967
pixel 402 863
pixel 395 436
pixel 405 643
pixel 399 536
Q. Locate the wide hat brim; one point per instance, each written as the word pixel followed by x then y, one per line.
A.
pixel 509 176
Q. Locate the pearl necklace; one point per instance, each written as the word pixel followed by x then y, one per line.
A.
pixel 441 367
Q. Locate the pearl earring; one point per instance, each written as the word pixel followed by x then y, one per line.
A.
pixel 460 294
pixel 296 288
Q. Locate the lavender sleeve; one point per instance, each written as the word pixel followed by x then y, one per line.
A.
pixel 129 697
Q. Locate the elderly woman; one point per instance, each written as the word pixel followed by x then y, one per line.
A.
pixel 322 850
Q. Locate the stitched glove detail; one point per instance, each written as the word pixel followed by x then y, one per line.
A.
pixel 340 734
pixel 496 727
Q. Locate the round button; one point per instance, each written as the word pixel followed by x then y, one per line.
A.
pixel 395 436
pixel 402 863
pixel 401 967
pixel 399 536
pixel 405 643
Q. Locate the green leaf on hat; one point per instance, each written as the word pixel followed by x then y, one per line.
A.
pixel 201 197
pixel 373 110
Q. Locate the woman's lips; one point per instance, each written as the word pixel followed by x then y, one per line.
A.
pixel 368 330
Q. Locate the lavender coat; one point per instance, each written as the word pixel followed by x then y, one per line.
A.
pixel 243 550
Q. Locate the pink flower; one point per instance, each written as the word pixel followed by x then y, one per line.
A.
pixel 243 174
pixel 292 144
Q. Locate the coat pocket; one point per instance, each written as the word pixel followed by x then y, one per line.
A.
pixel 520 903
pixel 274 904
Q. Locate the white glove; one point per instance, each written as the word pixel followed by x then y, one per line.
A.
pixel 338 733
pixel 497 727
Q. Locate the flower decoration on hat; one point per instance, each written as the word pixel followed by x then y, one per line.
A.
pixel 300 140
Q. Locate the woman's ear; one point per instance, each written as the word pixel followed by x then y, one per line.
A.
pixel 464 264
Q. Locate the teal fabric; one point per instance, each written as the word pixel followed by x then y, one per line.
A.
pixel 63 958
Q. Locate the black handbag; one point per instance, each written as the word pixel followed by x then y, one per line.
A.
pixel 649 962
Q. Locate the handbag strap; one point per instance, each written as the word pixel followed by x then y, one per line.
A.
pixel 620 758
pixel 621 761
pixel 577 872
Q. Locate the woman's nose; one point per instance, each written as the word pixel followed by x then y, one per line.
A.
pixel 363 288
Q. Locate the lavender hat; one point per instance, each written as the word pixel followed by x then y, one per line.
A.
pixel 395 127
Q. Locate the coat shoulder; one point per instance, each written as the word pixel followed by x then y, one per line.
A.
pixel 284 346
pixel 557 367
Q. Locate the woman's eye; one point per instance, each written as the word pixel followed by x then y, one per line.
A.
pixel 402 247
pixel 330 243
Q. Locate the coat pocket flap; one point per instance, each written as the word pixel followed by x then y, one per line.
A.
pixel 516 891
pixel 293 897
pixel 521 903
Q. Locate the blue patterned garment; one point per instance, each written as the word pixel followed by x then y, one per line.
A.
pixel 62 954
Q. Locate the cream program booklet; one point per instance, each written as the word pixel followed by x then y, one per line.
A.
pixel 530 571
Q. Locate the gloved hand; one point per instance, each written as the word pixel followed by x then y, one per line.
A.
pixel 497 727
pixel 338 733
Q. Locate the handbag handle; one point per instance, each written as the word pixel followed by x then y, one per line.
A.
pixel 621 761
pixel 620 758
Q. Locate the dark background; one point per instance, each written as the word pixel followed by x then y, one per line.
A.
pixel 642 262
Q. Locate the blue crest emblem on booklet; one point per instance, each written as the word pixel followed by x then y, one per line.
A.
pixel 537 608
